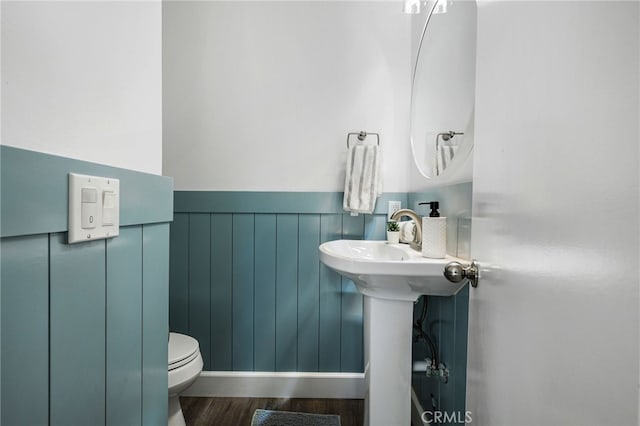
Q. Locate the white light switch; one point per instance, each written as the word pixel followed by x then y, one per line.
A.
pixel 89 195
pixel 89 208
pixel 108 208
pixel 94 207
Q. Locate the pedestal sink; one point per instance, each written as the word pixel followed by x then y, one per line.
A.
pixel 391 277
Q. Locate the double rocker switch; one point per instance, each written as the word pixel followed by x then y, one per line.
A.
pixel 94 208
pixel 89 208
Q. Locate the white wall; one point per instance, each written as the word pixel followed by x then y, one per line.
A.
pixel 553 335
pixel 84 80
pixel 260 95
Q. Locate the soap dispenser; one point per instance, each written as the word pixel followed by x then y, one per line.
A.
pixel 434 233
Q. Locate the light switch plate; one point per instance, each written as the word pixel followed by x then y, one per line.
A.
pixel 93 211
pixel 393 207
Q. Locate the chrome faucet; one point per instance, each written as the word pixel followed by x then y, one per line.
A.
pixel 416 244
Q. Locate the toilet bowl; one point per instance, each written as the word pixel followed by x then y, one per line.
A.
pixel 185 365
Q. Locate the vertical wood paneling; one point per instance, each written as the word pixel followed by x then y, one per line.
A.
pixel 426 387
pixel 155 323
pixel 243 292
pixel 308 292
pixel 24 294
pixel 200 283
pixel 273 305
pixel 375 227
pixel 124 328
pixel 265 293
pixel 459 379
pixel 77 333
pixel 352 227
pixel 330 300
pixel 71 315
pixel 221 291
pixel 445 341
pixel 351 347
pixel 179 274
pixel 286 292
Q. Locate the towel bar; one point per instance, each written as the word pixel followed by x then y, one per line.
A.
pixel 446 136
pixel 442 157
pixel 362 136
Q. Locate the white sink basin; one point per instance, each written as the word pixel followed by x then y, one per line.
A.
pixel 388 271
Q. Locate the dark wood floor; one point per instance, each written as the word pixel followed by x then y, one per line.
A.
pixel 238 411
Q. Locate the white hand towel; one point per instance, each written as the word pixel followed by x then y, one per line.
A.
pixel 407 231
pixel 362 184
pixel 444 155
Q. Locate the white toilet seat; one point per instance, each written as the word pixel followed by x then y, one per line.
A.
pixel 184 361
pixel 182 350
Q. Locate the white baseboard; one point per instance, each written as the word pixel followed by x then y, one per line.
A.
pixel 278 385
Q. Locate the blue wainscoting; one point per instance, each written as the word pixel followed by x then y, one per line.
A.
pixel 144 198
pixel 88 321
pixel 24 280
pixel 246 280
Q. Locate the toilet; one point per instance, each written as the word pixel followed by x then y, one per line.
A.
pixel 185 365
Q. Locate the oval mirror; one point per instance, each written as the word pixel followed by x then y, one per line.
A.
pixel 443 90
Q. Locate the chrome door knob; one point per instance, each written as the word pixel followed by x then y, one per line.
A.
pixel 456 272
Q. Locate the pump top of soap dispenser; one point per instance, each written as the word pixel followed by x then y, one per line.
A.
pixel 434 205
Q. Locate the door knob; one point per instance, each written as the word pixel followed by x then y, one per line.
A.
pixel 456 272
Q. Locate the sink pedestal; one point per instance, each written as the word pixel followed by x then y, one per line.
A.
pixel 387 344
